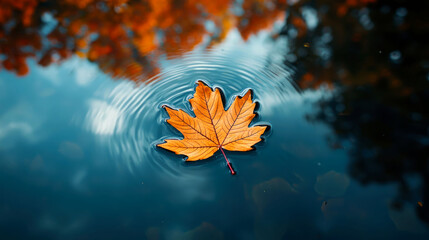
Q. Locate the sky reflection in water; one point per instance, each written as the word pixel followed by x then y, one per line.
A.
pixel 78 156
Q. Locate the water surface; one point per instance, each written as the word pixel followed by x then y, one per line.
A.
pixel 342 160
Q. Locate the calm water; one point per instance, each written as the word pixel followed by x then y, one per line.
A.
pixel 78 155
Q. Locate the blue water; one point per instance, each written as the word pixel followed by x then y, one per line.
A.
pixel 78 159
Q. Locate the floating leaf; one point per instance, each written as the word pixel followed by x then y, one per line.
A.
pixel 213 128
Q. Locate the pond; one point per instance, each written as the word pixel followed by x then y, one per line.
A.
pixel 343 88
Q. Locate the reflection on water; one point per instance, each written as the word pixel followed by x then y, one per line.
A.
pixel 332 184
pixel 125 115
pixel 77 145
pixel 124 37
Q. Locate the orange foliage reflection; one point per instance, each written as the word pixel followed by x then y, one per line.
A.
pixel 124 37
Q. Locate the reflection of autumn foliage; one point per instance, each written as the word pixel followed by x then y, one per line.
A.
pixel 124 37
pixel 356 41
pixel 320 51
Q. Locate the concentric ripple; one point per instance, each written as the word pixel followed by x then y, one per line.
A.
pixel 130 120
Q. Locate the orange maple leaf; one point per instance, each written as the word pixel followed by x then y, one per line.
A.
pixel 213 128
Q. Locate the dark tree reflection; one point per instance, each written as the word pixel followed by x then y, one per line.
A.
pixel 388 143
pixel 376 58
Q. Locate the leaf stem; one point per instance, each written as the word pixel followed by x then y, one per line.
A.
pixel 229 164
